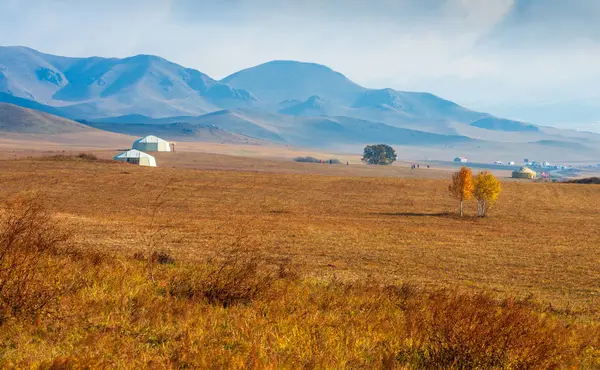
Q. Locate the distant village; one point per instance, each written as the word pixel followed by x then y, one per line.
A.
pixel 529 169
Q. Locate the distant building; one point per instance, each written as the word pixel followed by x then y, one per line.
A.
pixel 511 163
pixel 524 173
pixel 500 163
pixel 461 160
pixel 546 164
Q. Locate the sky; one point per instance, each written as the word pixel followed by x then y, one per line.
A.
pixel 537 60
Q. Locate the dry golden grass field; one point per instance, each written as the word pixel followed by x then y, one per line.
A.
pixel 266 264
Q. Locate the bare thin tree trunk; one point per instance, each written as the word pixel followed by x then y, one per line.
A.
pixel 461 208
pixel 481 208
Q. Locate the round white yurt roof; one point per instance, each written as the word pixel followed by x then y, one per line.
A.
pixel 151 139
pixel 525 170
pixel 133 153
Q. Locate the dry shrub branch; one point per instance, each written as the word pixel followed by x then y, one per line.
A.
pixel 32 274
pixel 237 274
pixel 466 331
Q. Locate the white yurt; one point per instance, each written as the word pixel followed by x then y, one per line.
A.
pixel 136 157
pixel 524 173
pixel 152 143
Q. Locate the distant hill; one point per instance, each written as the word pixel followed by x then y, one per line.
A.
pixel 293 130
pixel 561 144
pixel 328 131
pixel 414 104
pixel 17 119
pixel 313 106
pixel 249 124
pixel 499 124
pixel 126 119
pixel 32 104
pixel 179 131
pixel 276 81
pixel 258 125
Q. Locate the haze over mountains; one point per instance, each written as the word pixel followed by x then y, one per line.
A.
pixel 283 102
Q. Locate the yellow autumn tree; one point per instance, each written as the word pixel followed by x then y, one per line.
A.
pixel 462 186
pixel 487 189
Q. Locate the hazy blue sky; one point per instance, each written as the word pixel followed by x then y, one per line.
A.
pixel 483 53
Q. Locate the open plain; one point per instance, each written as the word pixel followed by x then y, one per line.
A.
pixel 345 234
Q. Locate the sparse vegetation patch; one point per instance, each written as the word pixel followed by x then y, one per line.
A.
pixel 254 270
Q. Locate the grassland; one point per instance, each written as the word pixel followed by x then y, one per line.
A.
pixel 377 271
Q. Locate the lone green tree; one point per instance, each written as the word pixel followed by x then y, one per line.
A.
pixel 462 186
pixel 380 154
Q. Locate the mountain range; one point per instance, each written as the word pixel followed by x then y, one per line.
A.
pixel 285 102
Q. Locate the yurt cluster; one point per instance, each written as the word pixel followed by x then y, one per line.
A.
pixel 138 153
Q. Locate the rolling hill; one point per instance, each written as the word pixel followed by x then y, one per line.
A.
pixel 422 105
pixel 300 131
pixel 15 119
pixel 499 124
pixel 313 106
pixel 179 131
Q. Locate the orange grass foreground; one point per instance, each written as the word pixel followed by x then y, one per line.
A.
pixel 349 272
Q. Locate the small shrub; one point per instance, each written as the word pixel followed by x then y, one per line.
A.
pixel 588 180
pixel 71 158
pixel 317 160
pixel 59 158
pixel 307 159
pixel 87 156
pixel 139 256
pixel 236 277
pixel 31 270
pixel 450 330
pixel 285 270
pixel 89 257
pixel 156 257
pixel 163 258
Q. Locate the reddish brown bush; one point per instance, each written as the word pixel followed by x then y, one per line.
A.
pixel 87 156
pixel 30 272
pixel 450 330
pixel 237 276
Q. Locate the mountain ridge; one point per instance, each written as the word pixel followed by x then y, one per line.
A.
pixel 153 86
pixel 285 102
pixel 113 85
